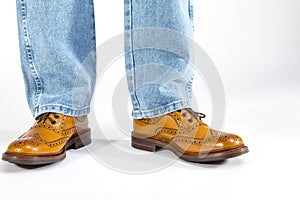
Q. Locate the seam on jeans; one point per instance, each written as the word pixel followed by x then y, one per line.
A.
pixel 189 88
pixel 60 109
pixel 29 55
pixel 162 110
pixel 132 53
pixel 165 106
pixel 191 13
pixel 63 106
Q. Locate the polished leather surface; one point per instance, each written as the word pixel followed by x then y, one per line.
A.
pixel 186 130
pixel 49 135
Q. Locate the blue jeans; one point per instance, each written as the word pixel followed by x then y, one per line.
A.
pixel 57 45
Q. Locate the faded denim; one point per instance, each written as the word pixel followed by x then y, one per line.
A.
pixel 57 44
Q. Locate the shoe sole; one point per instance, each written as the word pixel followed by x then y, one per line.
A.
pixel 153 145
pixel 75 142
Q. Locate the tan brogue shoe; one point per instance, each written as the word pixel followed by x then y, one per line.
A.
pixel 48 139
pixel 184 133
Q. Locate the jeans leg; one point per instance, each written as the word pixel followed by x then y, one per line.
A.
pixel 157 56
pixel 57 45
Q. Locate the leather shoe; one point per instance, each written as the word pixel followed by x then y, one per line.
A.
pixel 48 139
pixel 184 133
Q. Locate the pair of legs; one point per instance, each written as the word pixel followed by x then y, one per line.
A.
pixel 57 43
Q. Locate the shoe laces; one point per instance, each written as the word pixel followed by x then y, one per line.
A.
pixel 199 115
pixel 46 116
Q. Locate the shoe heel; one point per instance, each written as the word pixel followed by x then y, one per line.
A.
pixel 83 140
pixel 142 144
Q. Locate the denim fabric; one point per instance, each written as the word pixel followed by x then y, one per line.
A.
pixel 157 56
pixel 56 37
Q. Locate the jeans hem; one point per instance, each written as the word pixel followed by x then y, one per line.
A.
pixel 60 109
pixel 161 110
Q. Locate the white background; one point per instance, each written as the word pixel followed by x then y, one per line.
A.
pixel 255 45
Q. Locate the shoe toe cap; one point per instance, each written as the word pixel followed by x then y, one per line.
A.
pixel 23 146
pixel 230 140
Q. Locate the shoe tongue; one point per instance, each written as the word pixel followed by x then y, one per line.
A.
pixel 41 116
pixel 185 118
pixel 46 118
